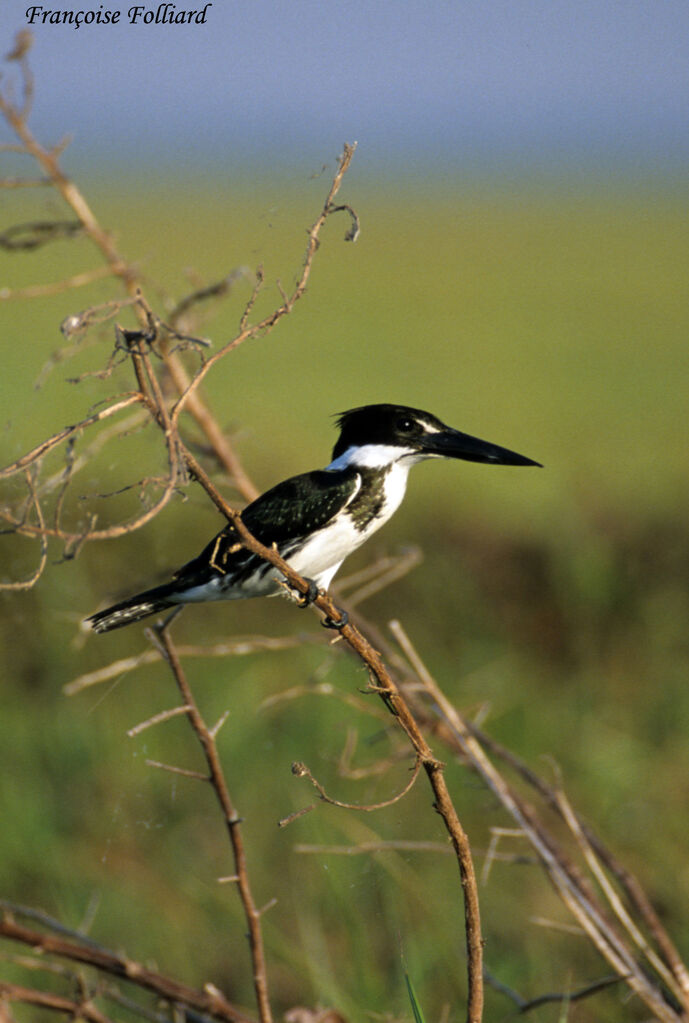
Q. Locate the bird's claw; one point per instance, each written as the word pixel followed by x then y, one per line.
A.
pixel 306 599
pixel 330 623
pixel 312 593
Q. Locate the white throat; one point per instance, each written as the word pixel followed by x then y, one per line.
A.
pixel 375 456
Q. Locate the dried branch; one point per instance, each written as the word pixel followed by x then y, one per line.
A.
pixel 55 287
pixel 366 848
pixel 45 446
pixel 138 345
pixel 216 777
pixel 525 1005
pixel 26 584
pixel 628 882
pixel 209 1001
pixel 239 647
pixel 300 770
pixel 117 266
pixel 611 894
pixel 572 888
pixel 36 233
pixel 288 303
pixel 46 1000
pixel 157 719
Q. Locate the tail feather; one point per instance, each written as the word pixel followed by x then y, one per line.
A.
pixel 134 609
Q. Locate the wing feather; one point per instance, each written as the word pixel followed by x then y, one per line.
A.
pixel 289 511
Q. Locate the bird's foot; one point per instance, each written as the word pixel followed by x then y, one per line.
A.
pixel 306 599
pixel 330 623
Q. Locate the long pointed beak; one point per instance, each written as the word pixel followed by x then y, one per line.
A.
pixel 450 443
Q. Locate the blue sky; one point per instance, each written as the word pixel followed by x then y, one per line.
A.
pixel 599 85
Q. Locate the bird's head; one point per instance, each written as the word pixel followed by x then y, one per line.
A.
pixel 379 435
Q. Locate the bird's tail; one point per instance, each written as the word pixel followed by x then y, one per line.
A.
pixel 135 608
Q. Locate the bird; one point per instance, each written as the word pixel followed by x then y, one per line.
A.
pixel 317 519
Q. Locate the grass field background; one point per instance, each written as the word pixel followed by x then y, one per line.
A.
pixel 553 601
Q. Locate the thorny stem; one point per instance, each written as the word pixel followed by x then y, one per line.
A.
pixel 217 779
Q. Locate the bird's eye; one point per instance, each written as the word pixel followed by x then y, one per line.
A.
pixel 405 424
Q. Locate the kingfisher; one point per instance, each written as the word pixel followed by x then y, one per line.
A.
pixel 317 519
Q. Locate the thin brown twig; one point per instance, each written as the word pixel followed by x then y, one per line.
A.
pixel 576 895
pixel 239 647
pixel 119 965
pixel 612 896
pixel 628 882
pixel 185 772
pixel 47 1000
pixel 300 770
pixel 48 160
pixel 255 291
pixel 287 305
pixel 389 845
pixel 232 821
pixel 26 584
pixel 55 287
pixel 59 438
pixel 156 719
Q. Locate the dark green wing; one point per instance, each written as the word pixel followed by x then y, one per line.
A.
pixel 290 510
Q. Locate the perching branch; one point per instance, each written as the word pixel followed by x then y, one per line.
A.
pixel 382 683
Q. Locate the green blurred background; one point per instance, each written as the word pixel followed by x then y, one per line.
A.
pixel 521 272
pixel 553 602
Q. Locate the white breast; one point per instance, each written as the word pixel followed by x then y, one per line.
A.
pixel 395 487
pixel 324 552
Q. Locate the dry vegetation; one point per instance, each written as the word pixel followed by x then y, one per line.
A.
pixel 168 366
